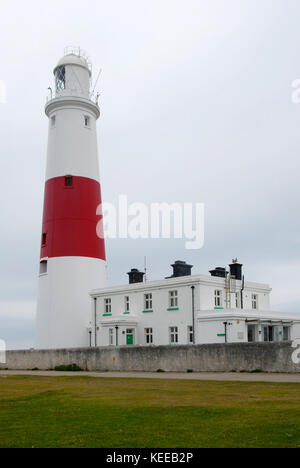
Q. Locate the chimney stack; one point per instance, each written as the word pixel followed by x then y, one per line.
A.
pixel 236 270
pixel 181 269
pixel 219 272
pixel 136 276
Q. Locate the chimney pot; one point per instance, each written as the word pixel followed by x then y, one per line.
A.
pixel 219 272
pixel 136 276
pixel 236 270
pixel 181 268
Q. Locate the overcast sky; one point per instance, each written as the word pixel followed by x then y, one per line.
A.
pixel 196 107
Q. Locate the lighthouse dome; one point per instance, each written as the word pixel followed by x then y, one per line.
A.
pixel 73 59
pixel 73 75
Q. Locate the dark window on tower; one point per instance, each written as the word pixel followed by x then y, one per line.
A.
pixel 60 79
pixel 68 181
pixel 44 239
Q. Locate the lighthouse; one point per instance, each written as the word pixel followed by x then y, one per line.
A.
pixel 73 258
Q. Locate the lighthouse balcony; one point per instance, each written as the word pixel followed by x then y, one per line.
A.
pixel 94 98
pixel 73 101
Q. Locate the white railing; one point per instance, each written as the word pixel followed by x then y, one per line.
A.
pixel 91 97
pixel 74 50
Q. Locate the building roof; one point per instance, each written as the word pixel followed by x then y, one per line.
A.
pixel 242 314
pixel 180 281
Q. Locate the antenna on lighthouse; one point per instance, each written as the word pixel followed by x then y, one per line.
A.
pixel 145 269
pixel 96 82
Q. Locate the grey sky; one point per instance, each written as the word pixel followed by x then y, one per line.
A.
pixel 196 107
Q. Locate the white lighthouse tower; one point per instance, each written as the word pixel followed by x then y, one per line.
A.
pixel 72 253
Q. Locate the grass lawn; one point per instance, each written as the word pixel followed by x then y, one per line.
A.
pixel 138 413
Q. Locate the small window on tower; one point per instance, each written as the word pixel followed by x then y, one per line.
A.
pixel 44 239
pixel 53 121
pixel 68 181
pixel 43 267
pixel 87 121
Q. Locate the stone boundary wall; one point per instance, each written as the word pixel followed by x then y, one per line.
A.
pixel 238 357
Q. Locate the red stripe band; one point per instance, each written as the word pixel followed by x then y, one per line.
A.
pixel 70 219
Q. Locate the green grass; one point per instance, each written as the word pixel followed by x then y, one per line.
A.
pixel 137 413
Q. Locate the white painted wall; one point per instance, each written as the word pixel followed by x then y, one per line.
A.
pixel 72 147
pixel 295 332
pixel 161 319
pixel 209 330
pixel 63 310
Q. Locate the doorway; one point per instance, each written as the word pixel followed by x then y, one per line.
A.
pixel 252 333
pixel 129 337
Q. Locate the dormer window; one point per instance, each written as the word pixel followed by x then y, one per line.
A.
pixel 68 181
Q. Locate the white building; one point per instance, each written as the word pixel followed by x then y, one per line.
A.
pixel 167 311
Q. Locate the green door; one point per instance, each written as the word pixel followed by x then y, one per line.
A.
pixel 130 339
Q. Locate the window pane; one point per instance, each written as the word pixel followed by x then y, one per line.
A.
pixel 173 298
pixel 68 181
pixel 107 306
pixel 217 298
pixel 148 301
pixel 286 333
pixel 148 335
pixel 190 334
pixel 60 79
